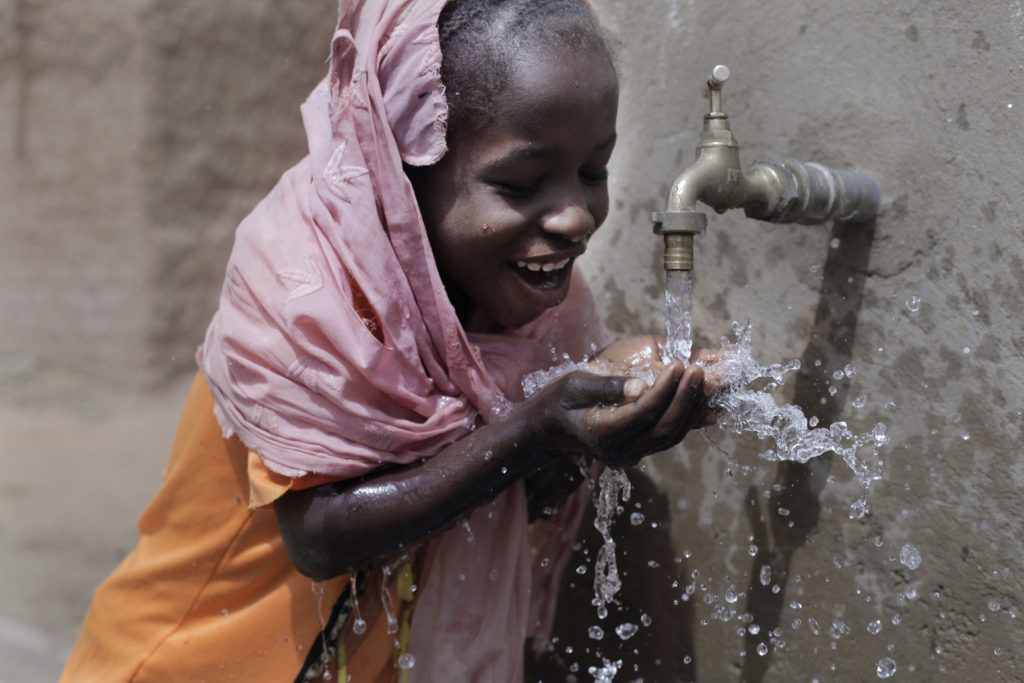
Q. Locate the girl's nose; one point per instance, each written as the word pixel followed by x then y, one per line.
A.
pixel 573 220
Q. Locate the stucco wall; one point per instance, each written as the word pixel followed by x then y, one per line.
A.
pixel 135 135
pixel 927 97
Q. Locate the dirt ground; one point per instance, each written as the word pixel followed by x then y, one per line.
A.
pixel 74 479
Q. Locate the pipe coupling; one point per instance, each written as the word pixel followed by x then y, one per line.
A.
pixel 811 193
pixel 678 229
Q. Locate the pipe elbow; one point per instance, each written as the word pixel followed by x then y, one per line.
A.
pixel 692 185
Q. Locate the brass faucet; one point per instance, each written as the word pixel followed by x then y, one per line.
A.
pixel 786 192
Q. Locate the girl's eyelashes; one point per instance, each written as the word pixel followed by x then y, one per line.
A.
pixel 594 177
pixel 517 189
pixel 527 188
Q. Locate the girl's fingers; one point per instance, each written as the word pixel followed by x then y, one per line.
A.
pixel 586 389
pixel 686 407
pixel 658 398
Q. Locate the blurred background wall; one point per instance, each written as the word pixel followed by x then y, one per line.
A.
pixel 135 135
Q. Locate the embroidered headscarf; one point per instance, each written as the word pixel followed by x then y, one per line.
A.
pixel 335 349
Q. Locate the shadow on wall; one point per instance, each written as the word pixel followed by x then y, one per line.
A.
pixel 798 486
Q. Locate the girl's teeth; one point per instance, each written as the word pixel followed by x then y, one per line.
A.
pixel 546 267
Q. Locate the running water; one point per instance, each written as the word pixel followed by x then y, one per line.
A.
pixel 678 321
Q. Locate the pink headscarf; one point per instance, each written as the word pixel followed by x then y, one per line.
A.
pixel 335 349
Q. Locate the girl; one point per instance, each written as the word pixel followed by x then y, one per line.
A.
pixel 360 391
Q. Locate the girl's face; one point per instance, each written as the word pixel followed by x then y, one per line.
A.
pixel 512 204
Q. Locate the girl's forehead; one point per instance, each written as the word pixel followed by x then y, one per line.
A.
pixel 556 79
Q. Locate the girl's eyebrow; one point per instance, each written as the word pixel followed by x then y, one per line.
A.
pixel 532 151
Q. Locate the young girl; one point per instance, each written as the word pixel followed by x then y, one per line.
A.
pixel 358 484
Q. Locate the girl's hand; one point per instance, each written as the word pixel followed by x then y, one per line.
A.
pixel 619 419
pixel 641 357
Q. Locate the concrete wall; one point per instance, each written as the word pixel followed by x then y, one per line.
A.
pixel 927 97
pixel 136 135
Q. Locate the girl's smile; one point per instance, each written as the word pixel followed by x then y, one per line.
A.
pixel 512 204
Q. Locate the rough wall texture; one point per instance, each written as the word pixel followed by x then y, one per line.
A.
pixel 136 135
pixel 925 96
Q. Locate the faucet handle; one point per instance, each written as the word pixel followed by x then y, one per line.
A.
pixel 719 75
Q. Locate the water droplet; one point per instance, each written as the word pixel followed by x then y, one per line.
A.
pixel 858 508
pixel 359 626
pixel 967 349
pixel 224 612
pixel 754 629
pixel 626 630
pixel 913 303
pixel 582 569
pixel 886 667
pixel 834 243
pixel 595 632
pixel 815 627
pixel 875 627
pixel 752 550
pixel 636 519
pixel 896 619
pixel 645 619
pixel 406 661
pixel 730 595
pixel 762 649
pixel 860 401
pixel 993 605
pixel 766 574
pixel 850 370
pixel 910 557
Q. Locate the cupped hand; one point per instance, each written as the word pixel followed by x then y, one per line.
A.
pixel 619 419
pixel 641 357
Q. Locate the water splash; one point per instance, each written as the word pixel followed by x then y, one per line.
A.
pixel 612 484
pixel 743 410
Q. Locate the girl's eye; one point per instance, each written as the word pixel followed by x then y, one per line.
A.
pixel 517 189
pixel 594 177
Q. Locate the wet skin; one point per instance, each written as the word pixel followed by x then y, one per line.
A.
pixel 529 187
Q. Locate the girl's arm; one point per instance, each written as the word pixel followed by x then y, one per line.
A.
pixel 335 528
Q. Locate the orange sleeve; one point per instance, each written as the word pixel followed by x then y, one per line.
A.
pixel 266 486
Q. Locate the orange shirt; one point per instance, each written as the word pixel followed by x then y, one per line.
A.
pixel 209 593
